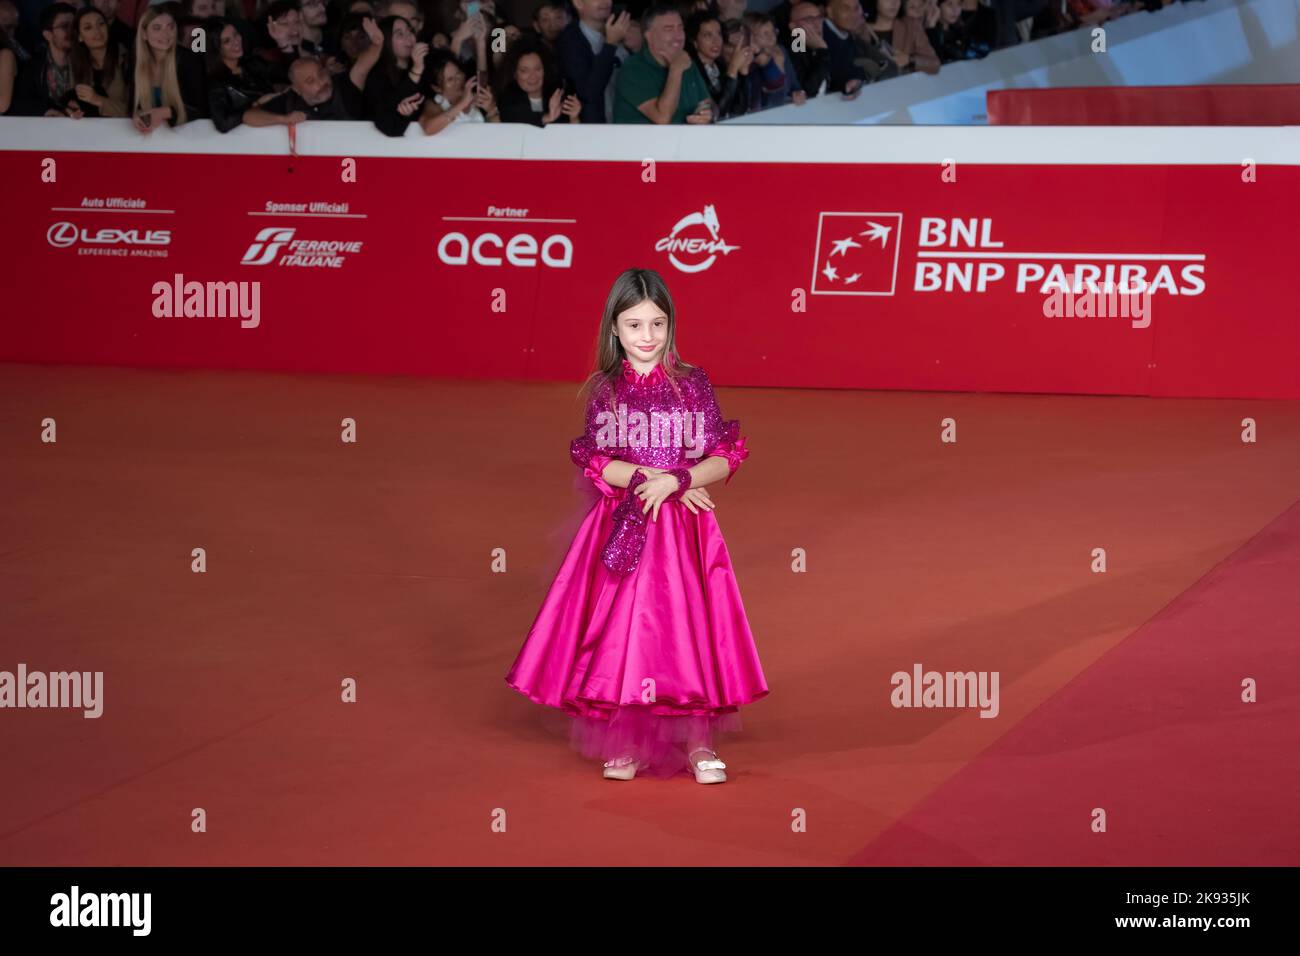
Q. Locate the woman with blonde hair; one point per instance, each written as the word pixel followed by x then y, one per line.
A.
pixel 166 88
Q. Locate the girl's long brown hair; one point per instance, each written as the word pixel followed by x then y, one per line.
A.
pixel 171 88
pixel 83 64
pixel 630 289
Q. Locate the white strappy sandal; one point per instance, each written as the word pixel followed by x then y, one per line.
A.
pixel 621 768
pixel 708 771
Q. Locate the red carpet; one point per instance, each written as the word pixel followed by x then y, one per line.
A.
pixel 373 561
pixel 1156 734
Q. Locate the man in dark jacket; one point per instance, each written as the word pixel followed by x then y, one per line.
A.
pixel 46 83
pixel 812 60
pixel 313 95
pixel 854 51
pixel 589 52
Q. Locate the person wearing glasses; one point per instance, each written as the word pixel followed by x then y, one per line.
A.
pixel 314 16
pixel 812 64
pixel 284 27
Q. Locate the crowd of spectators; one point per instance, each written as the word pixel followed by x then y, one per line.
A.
pixel 433 63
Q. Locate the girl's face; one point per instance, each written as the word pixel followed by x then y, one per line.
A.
pixel 708 41
pixel 765 36
pixel 950 11
pixel 161 33
pixel 94 31
pixel 528 74
pixel 914 8
pixel 353 42
pixel 403 39
pixel 232 44
pixel 643 332
pixel 453 82
pixel 887 9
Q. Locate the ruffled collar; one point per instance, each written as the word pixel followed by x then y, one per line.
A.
pixel 652 377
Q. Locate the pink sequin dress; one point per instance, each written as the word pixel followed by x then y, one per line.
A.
pixel 658 660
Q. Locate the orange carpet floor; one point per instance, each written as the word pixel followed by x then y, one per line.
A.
pixel 373 561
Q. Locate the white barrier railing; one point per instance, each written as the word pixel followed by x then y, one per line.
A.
pixel 1016 145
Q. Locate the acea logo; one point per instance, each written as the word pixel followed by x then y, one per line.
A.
pixel 103 241
pixel 492 249
pixel 277 246
pixel 695 241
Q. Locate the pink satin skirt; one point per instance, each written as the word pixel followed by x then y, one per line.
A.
pixel 651 664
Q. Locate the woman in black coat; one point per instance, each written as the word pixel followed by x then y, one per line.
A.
pixel 235 81
pixel 531 92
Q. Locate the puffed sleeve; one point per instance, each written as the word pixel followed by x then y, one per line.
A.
pixel 721 437
pixel 586 450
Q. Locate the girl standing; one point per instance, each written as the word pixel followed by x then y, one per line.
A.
pixel 642 638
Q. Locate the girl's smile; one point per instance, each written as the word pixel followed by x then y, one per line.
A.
pixel 643 332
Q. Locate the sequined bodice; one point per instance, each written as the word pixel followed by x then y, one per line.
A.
pixel 651 422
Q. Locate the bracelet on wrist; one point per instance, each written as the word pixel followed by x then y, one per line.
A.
pixel 683 476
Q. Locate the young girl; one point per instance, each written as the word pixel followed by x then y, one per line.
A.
pixel 158 94
pixel 392 92
pixel 642 638
pixel 98 67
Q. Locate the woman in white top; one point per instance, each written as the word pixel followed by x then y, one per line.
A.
pixel 453 99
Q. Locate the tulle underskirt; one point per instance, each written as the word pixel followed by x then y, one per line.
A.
pixel 659 742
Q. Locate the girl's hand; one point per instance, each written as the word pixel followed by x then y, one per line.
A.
pixel 697 496
pixel 654 491
pixel 471 89
pixel 553 110
pixel 150 120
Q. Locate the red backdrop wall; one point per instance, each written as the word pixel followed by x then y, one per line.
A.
pixel 759 304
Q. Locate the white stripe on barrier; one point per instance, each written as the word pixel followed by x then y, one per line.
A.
pixel 1003 145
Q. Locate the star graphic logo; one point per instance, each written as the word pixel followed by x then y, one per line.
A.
pixel 857 253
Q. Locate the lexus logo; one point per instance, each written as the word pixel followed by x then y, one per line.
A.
pixel 62 235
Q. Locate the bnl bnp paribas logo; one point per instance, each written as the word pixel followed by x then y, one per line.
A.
pixel 857 253
pixel 695 241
